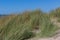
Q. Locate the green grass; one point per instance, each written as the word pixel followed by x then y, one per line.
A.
pixel 20 26
pixel 58 20
pixel 47 28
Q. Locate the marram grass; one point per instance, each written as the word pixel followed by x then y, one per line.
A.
pixel 20 27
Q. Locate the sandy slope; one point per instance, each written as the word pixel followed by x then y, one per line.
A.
pixel 56 37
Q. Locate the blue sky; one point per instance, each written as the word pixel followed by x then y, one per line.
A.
pixel 11 6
